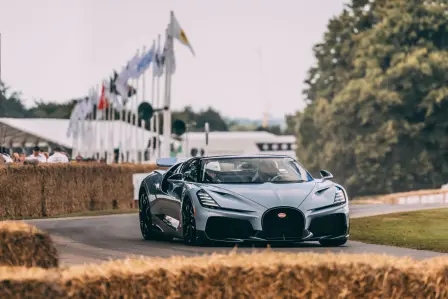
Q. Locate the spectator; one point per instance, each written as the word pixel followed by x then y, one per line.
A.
pixel 37 155
pixel 6 159
pixel 58 156
pixel 16 158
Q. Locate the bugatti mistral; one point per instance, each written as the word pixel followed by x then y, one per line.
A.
pixel 260 198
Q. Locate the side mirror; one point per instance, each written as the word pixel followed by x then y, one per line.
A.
pixel 326 175
pixel 175 178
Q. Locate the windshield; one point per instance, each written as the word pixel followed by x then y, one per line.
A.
pixel 253 170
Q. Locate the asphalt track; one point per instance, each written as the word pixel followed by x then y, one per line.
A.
pixel 101 238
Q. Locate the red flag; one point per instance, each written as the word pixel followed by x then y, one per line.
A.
pixel 103 104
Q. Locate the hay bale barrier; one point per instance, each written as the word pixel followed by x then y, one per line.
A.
pixel 51 190
pixel 24 245
pixel 257 275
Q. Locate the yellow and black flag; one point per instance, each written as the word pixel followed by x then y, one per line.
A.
pixel 177 32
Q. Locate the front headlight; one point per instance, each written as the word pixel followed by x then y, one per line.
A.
pixel 206 200
pixel 340 196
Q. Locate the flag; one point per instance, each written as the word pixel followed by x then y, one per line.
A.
pixel 122 88
pixel 93 96
pixel 112 92
pixel 74 121
pixel 80 111
pixel 102 100
pixel 144 63
pixel 176 31
pixel 157 66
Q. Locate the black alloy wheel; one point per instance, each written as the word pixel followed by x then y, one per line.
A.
pixel 188 224
pixel 144 214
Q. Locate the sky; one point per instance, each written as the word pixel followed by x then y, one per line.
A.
pixel 252 56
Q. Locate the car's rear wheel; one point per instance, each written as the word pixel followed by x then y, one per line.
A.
pixel 190 235
pixel 144 214
pixel 333 242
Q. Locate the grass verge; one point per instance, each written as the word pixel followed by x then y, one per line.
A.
pixel 426 230
pixel 80 214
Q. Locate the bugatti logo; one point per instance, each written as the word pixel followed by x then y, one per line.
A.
pixel 281 215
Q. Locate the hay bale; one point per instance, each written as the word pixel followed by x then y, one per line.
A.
pixel 260 275
pixel 24 245
pixel 59 189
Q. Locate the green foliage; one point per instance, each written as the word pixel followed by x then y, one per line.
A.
pixel 197 120
pixel 378 98
pixel 10 103
pixel 52 110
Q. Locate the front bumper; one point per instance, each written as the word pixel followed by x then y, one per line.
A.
pixel 330 222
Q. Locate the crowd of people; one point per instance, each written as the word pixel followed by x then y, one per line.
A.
pixel 38 156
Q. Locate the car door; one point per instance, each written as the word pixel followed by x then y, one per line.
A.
pixel 161 207
pixel 190 174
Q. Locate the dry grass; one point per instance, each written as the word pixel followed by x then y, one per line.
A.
pixel 49 190
pixel 24 245
pixel 260 275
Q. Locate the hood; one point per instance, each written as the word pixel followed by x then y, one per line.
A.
pixel 268 195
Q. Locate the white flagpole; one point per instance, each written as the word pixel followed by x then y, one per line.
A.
pixel 135 118
pixel 81 140
pixel 95 130
pixel 122 135
pixel 88 134
pixel 167 113
pixel 133 126
pixel 109 130
pixel 207 129
pixel 102 131
pixel 106 128
pixel 112 134
pixel 157 105
pixel 153 94
pixel 121 123
pixel 141 143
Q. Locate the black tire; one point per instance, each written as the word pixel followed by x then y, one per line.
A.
pixel 189 231
pixel 144 214
pixel 333 242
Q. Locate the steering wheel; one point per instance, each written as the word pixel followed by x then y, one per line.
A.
pixel 279 176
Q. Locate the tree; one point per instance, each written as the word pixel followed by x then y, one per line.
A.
pixel 197 120
pixel 381 126
pixel 52 110
pixel 10 103
pixel 277 130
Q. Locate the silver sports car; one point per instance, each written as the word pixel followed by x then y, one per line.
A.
pixel 260 198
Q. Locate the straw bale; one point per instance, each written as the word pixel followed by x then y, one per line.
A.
pixel 24 245
pixel 257 275
pixel 58 189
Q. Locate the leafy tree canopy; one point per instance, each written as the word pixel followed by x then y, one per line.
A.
pixel 377 113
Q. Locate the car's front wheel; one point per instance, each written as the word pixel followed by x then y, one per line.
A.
pixel 144 214
pixel 333 242
pixel 190 235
